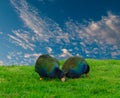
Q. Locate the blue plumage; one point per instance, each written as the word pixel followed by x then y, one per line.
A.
pixel 47 66
pixel 74 67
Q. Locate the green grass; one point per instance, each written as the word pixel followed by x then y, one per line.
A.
pixel 23 82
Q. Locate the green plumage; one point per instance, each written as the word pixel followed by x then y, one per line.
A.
pixel 75 67
pixel 47 66
pixel 47 62
pixel 72 62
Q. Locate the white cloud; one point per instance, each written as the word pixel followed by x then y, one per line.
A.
pixel 115 53
pixel 103 35
pixel 20 58
pixel 1 32
pixel 49 50
pixel 42 29
pixel 65 53
pixel 32 55
pixel 29 16
pixel 94 26
pixel 1 63
pixel 30 58
pixel 22 39
pixel 105 30
pixel 9 57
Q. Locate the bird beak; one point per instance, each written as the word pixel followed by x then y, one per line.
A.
pixel 86 74
pixel 63 79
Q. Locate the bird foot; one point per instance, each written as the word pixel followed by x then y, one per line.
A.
pixel 40 79
pixel 86 75
pixel 63 79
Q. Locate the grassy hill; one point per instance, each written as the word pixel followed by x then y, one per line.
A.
pixel 23 82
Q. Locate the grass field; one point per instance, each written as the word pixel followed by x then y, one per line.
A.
pixel 23 82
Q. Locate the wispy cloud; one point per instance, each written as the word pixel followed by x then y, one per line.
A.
pixel 65 53
pixel 22 39
pixel 32 55
pixel 97 37
pixel 20 58
pixel 29 16
pixel 32 20
pixel 1 32
pixel 74 38
pixel 1 63
pixel 49 50
pixel 105 30
pixel 42 29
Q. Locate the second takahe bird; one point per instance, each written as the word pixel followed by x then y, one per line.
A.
pixel 75 66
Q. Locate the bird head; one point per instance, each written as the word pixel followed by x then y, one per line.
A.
pixel 60 74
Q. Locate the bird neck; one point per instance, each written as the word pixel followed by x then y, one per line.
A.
pixel 59 73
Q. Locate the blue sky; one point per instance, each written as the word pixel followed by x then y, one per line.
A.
pixel 61 28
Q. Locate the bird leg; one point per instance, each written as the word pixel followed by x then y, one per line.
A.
pixel 40 78
pixel 63 79
pixel 86 74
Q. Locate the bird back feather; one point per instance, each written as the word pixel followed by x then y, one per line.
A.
pixel 75 66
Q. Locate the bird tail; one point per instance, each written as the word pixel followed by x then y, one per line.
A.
pixel 88 69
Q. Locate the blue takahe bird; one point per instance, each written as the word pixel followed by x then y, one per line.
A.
pixel 75 66
pixel 47 66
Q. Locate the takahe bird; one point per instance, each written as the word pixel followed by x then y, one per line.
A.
pixel 47 66
pixel 75 66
